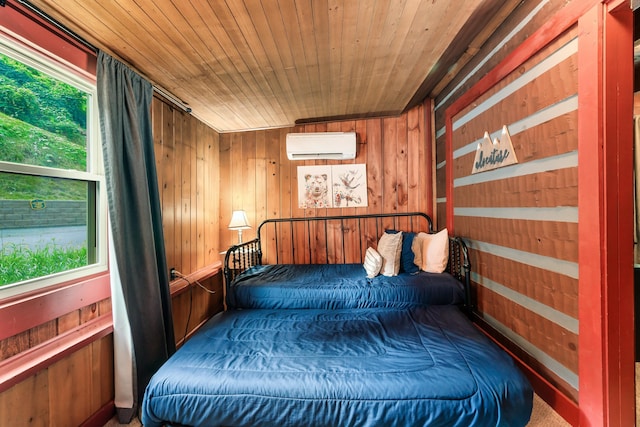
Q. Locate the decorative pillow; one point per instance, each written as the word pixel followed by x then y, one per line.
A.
pixel 416 248
pixel 406 255
pixel 372 262
pixel 390 248
pixel 433 251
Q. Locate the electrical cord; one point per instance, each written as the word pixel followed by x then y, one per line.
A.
pixel 186 326
pixel 179 275
pixel 185 278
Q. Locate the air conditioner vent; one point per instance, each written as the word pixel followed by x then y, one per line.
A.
pixel 321 145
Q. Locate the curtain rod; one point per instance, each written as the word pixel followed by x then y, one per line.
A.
pixel 172 98
pixel 57 25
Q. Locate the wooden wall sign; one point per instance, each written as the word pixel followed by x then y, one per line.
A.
pixel 494 154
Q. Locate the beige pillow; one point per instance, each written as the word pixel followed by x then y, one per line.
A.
pixel 390 248
pixel 433 250
pixel 416 248
pixel 372 263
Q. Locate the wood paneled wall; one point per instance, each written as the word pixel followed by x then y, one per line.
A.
pixel 64 394
pixel 521 221
pixel 71 389
pixel 187 161
pixel 80 385
pixel 527 18
pixel 32 337
pixel 256 176
pixel 195 305
pixel 187 158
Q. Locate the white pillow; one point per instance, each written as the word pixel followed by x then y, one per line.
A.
pixel 433 250
pixel 416 248
pixel 390 248
pixel 372 262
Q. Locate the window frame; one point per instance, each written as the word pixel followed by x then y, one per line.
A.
pixel 52 66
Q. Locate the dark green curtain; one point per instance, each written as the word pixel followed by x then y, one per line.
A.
pixel 140 284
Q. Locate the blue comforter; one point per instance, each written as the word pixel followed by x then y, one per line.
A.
pixel 420 366
pixel 339 286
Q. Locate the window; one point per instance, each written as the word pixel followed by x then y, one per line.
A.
pixel 52 202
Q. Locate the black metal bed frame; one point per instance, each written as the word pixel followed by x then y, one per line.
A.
pixel 245 255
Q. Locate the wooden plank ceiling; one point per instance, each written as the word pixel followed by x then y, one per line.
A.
pixel 255 64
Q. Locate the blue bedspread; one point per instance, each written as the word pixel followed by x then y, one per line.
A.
pixel 339 286
pixel 421 366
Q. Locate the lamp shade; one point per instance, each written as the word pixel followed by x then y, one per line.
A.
pixel 239 221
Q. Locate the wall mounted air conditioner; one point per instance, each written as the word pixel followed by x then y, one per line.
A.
pixel 321 145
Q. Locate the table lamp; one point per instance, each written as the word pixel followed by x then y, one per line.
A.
pixel 239 222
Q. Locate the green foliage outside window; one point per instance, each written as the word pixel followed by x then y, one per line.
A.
pixel 35 98
pixel 43 122
pixel 19 263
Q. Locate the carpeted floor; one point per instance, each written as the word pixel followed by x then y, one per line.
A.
pixel 542 416
pixel 113 422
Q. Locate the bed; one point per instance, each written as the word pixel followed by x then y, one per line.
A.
pixel 333 282
pixel 334 286
pixel 376 363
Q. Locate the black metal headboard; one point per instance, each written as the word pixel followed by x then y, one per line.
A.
pixel 334 240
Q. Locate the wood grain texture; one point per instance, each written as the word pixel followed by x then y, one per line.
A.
pixel 551 138
pixel 388 146
pixel 443 76
pixel 27 403
pixel 70 383
pixel 535 142
pixel 441 184
pixel 524 103
pixel 47 332
pixel 247 65
pixel 552 289
pixel 545 374
pixel 14 345
pixel 79 385
pixel 442 216
pixel 102 377
pixel 557 342
pixel 338 231
pixel 548 238
pixel 66 393
pixel 195 305
pixel 167 175
pixel 187 154
pixel 546 189
pixel 76 387
pixel 502 42
pixel 529 66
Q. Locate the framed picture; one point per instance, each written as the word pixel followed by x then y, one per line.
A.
pixel 349 186
pixel 332 186
pixel 314 187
